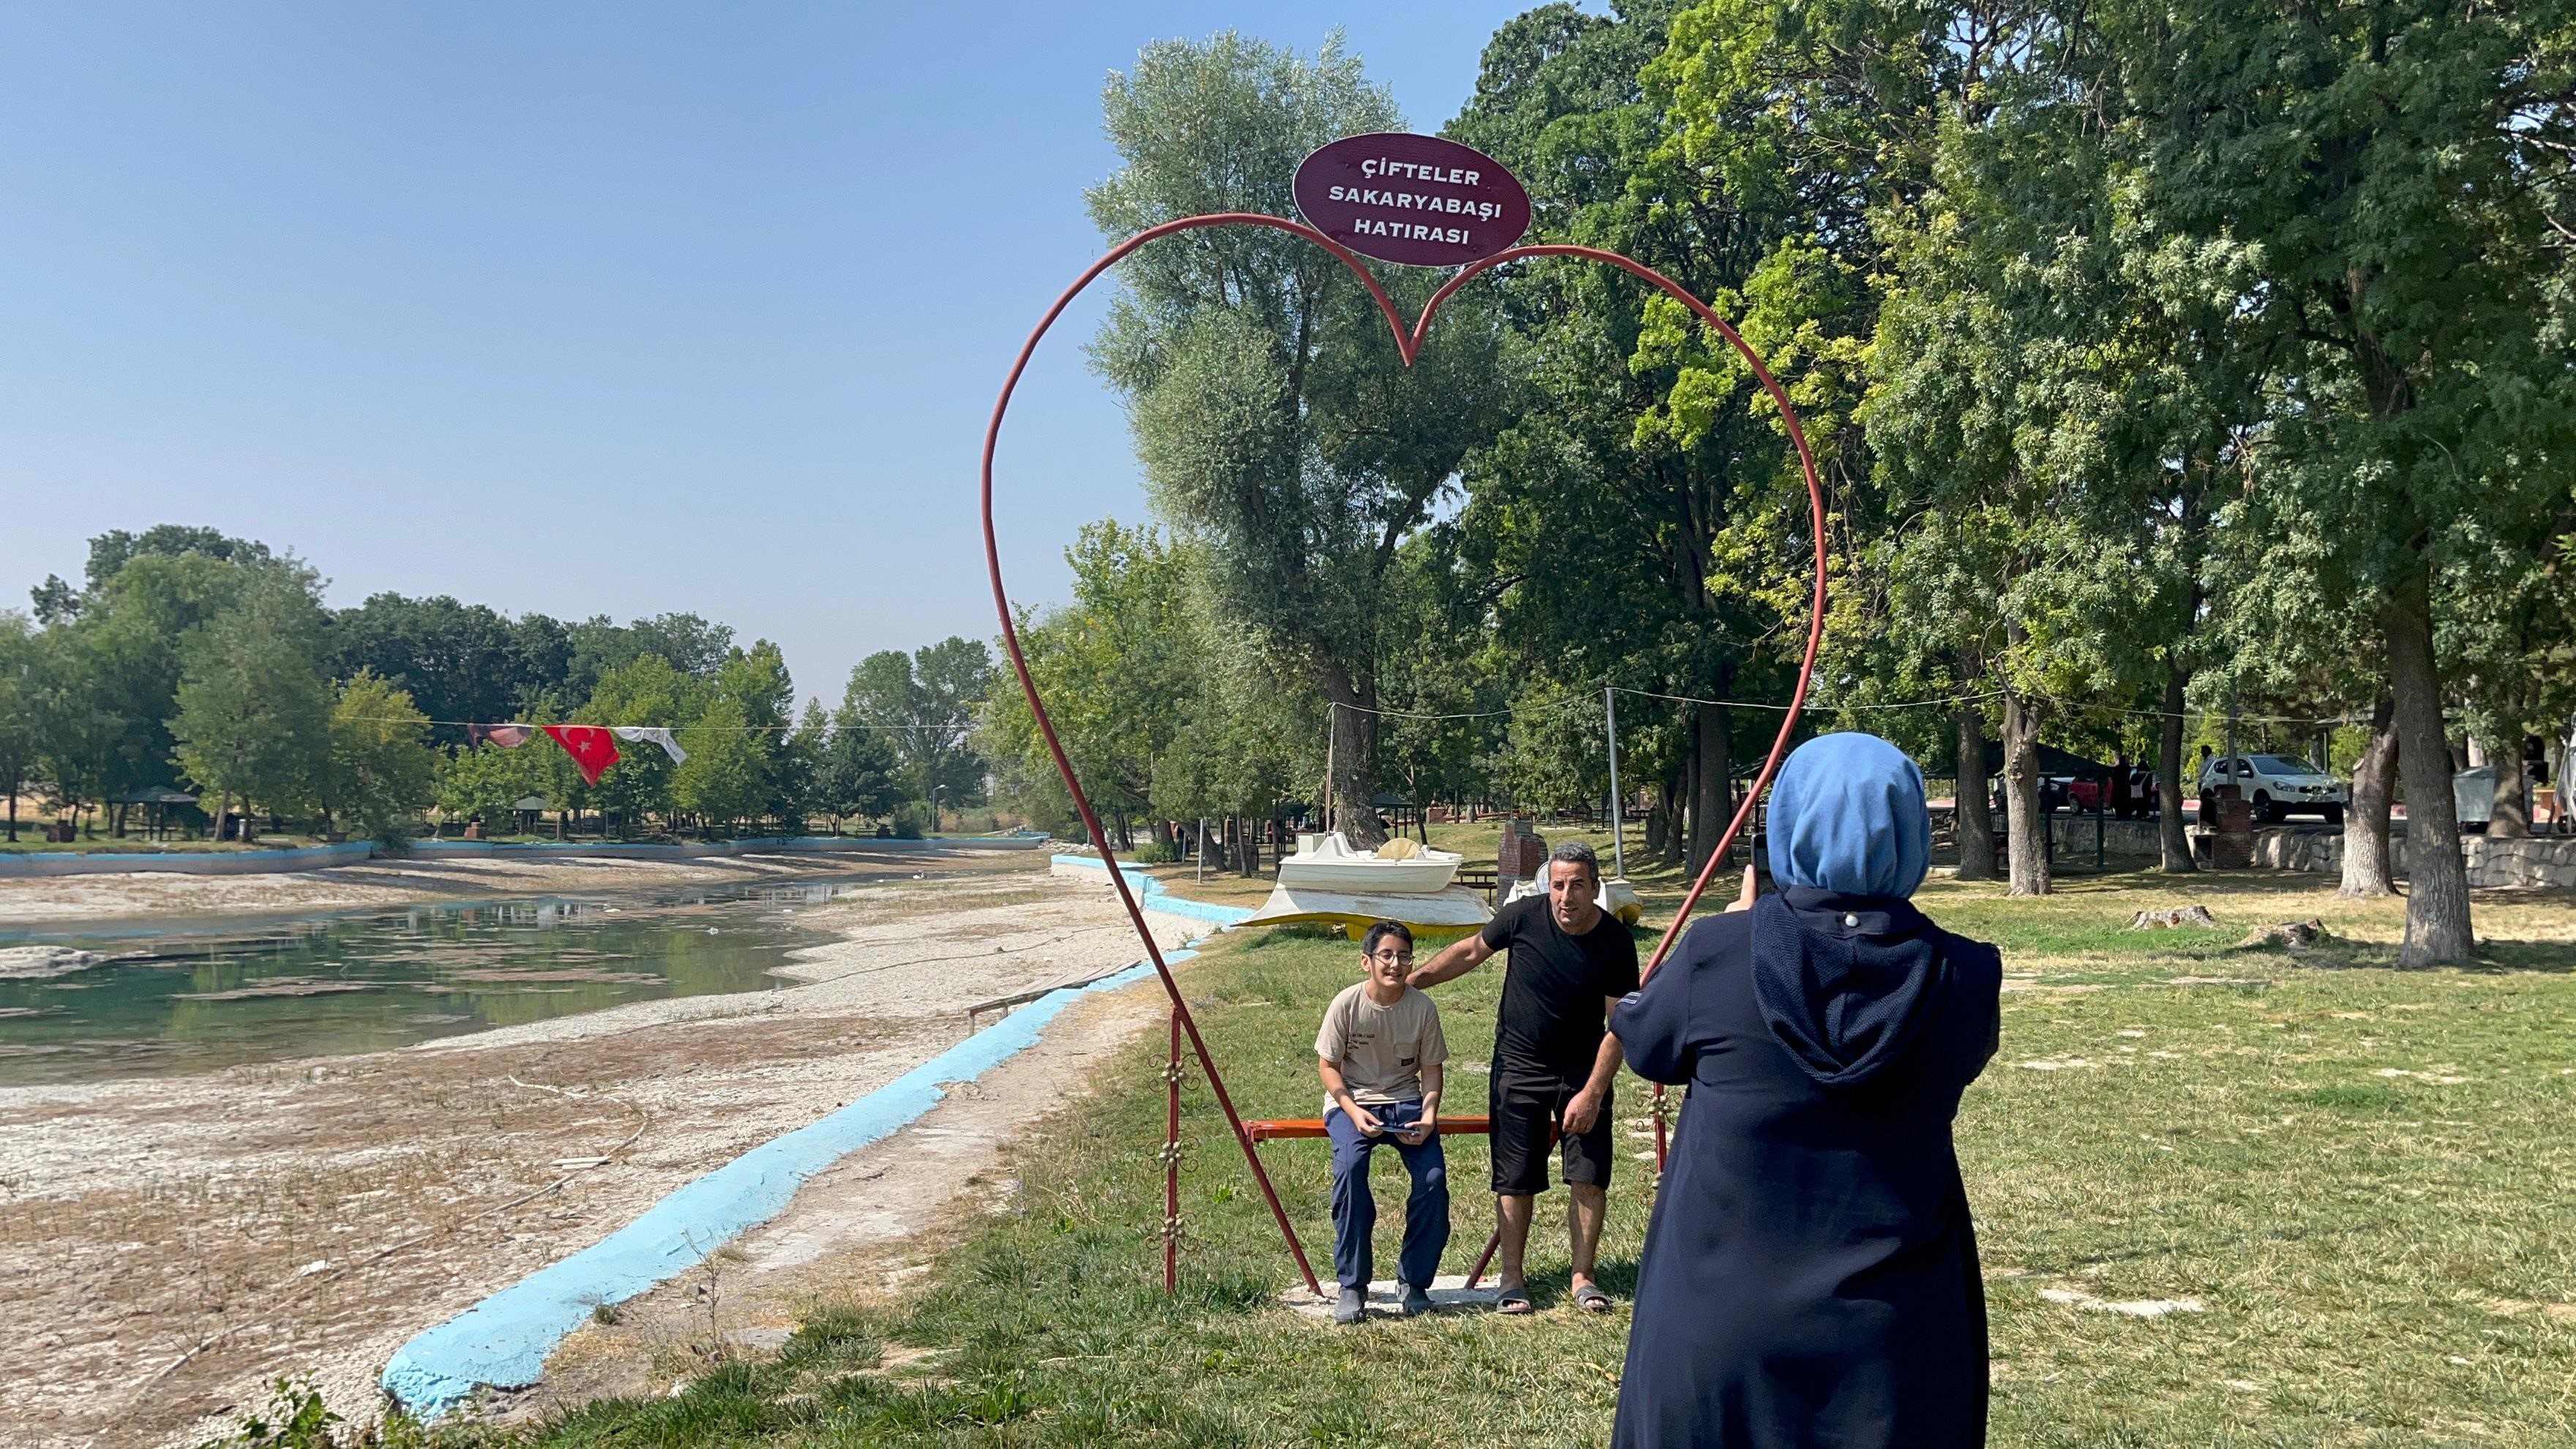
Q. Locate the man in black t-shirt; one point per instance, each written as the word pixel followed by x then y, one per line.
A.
pixel 1554 1058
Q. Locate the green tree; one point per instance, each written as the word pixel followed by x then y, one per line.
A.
pixel 117 651
pixel 2397 165
pixel 1117 669
pixel 383 772
pixel 1643 516
pixel 756 682
pixel 1279 431
pixel 727 779
pixel 485 782
pixel 859 772
pixel 22 720
pixel 1250 739
pixel 254 714
pixel 462 663
pixel 645 690
pixel 926 702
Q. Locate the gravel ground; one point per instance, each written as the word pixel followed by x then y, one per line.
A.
pixel 173 1244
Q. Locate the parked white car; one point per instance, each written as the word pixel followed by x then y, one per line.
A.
pixel 2278 787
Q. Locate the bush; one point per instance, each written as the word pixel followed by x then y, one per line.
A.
pixel 912 821
pixel 1151 853
pixel 296 1419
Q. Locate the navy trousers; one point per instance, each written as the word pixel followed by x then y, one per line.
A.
pixel 1426 1210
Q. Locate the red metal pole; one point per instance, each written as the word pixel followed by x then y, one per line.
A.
pixel 1172 1163
pixel 1487 1257
pixel 1046 726
pixel 1408 344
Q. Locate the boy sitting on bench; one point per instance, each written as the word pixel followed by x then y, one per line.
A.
pixel 1379 1052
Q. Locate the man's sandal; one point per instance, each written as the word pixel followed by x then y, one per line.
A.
pixel 1514 1301
pixel 1591 1299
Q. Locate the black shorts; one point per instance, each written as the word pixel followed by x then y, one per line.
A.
pixel 1527 1108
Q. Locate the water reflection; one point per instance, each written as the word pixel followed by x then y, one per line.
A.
pixel 201 993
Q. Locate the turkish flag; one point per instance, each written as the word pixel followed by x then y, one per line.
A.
pixel 590 746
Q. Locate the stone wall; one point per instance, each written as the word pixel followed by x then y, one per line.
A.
pixel 2546 862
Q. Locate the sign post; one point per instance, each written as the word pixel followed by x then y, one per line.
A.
pixel 1618 810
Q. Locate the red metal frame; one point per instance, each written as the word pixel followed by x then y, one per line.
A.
pixel 1408 342
pixel 1172 1161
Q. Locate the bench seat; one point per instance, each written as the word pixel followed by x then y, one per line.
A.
pixel 1285 1127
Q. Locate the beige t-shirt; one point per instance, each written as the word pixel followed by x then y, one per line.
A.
pixel 1381 1049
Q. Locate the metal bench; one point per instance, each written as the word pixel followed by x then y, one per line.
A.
pixel 1283 1128
pixel 1288 1127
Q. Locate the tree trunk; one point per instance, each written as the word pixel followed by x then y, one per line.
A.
pixel 223 808
pixel 1659 819
pixel 1163 843
pixel 1970 812
pixel 2026 827
pixel 1353 753
pixel 1678 848
pixel 2365 819
pixel 2437 894
pixel 13 817
pixel 1716 769
pixel 2172 840
pixel 2512 817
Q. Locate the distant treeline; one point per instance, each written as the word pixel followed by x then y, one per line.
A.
pixel 188 660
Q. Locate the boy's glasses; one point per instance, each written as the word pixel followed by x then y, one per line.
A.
pixel 1399 958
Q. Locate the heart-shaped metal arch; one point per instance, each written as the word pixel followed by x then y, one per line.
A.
pixel 1408 341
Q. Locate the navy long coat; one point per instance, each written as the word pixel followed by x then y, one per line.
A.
pixel 1810 1274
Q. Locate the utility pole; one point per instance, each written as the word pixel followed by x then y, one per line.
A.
pixel 1327 813
pixel 1618 846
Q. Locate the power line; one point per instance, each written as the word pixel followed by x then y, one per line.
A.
pixel 1946 702
pixel 735 729
pixel 1566 703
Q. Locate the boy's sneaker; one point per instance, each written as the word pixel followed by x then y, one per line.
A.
pixel 1416 1302
pixel 1352 1308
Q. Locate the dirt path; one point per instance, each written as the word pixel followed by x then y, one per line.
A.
pixel 31 902
pixel 170 1245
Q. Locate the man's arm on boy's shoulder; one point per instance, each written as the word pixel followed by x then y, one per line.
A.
pixel 1455 959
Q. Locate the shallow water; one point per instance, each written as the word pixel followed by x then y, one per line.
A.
pixel 201 993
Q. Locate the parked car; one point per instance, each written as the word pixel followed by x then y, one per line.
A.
pixel 2277 787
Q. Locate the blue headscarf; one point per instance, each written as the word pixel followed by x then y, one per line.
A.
pixel 1847 816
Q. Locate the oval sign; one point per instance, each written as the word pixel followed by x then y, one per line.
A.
pixel 1418 201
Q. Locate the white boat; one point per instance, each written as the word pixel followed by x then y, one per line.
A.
pixel 1401 868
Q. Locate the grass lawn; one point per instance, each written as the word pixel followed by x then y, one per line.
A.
pixel 2362 1179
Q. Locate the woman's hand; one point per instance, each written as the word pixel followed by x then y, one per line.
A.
pixel 1752 887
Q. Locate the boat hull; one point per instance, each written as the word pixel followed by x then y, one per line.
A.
pixel 1372 878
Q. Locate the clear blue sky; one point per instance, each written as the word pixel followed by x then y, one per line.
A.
pixel 585 309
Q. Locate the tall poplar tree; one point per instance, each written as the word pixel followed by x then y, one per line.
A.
pixel 1279 429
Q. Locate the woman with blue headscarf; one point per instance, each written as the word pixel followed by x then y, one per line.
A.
pixel 1810 1273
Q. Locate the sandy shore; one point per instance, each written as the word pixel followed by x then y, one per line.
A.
pixel 28 903
pixel 173 1244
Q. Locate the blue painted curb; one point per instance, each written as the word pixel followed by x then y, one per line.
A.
pixel 504 1340
pixel 1160 898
